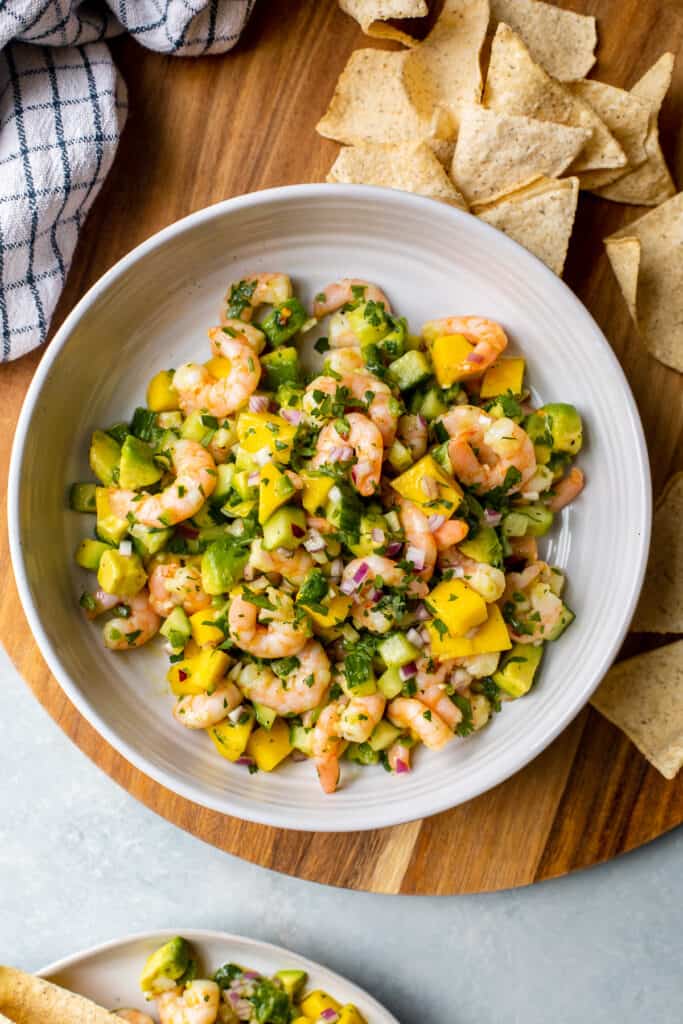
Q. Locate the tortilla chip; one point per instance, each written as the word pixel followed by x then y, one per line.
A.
pixel 409 167
pixel 660 609
pixel 626 116
pixel 499 153
pixel 562 41
pixel 444 70
pixel 539 217
pixel 643 697
pixel 624 255
pixel 371 103
pixel 659 293
pixel 372 15
pixel 650 184
pixel 28 1000
pixel 515 84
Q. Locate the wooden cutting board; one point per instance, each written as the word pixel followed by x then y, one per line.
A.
pixel 203 130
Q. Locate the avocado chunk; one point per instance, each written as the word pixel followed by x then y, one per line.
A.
pixel 264 716
pixel 390 683
pixel 518 668
pixel 292 982
pixel 301 738
pixel 410 370
pixel 224 475
pixel 223 563
pixel 483 547
pixel 280 368
pixel 119 574
pixel 286 528
pixel 105 456
pixel 566 618
pixel 362 753
pixel 110 527
pixel 89 552
pixel 82 497
pixel 369 322
pixel 400 458
pixel 177 628
pixel 538 429
pixel 165 967
pixel 199 427
pixel 564 423
pixel 138 468
pixel 432 405
pixel 148 540
pixel 383 735
pixel 284 321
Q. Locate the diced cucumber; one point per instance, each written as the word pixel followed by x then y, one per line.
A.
pixel 82 497
pixel 177 629
pixel 170 420
pixel 286 528
pixel 105 456
pixel 284 321
pixel 264 716
pixel 361 753
pixel 147 540
pixel 383 735
pixel 393 344
pixel 432 405
pixel 442 458
pixel 241 485
pixel 518 668
pixel 199 427
pixel 280 368
pixel 390 683
pixel 539 517
pixel 343 510
pixel 224 474
pixel 514 525
pixel 410 370
pixel 566 618
pixel 89 552
pixel 400 458
pixel 397 650
pixel 301 739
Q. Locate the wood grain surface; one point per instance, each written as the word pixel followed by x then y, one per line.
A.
pixel 203 130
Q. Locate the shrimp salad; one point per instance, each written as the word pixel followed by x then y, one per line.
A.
pixel 343 565
pixel 232 995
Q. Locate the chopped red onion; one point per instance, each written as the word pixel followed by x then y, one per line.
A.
pixel 254 478
pixel 393 548
pixel 416 556
pixel 421 420
pixel 436 521
pixel 401 766
pixel 188 531
pixel 251 975
pixel 376 595
pixel 475 357
pixel 422 613
pixel 361 572
pixel 430 487
pixel 245 760
pixel 414 636
pixel 262 456
pixel 258 403
pixel 182 676
pixel 408 671
pixel 424 632
pixel 329 1016
pixel 297 530
pixel 314 541
pixel 492 517
pixel 378 535
pixel 293 416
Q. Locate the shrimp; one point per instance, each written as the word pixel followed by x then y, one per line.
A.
pixel 122 634
pixel 487 336
pixel 364 439
pixel 431 688
pixel 172 584
pixel 202 710
pixel 534 597
pixel 427 725
pixel 360 716
pixel 488 581
pixel 398 756
pixel 195 480
pixel 345 360
pixel 277 638
pixel 419 537
pixel 197 389
pixel 198 1003
pixel 293 566
pixel 358 390
pixel 567 489
pixel 302 690
pixel 501 445
pixel 337 294
pixel 255 290
pixel 449 533
pixel 238 330
pixel 134 1016
pixel 343 721
pixel 99 603
pixel 413 433
pixel 367 576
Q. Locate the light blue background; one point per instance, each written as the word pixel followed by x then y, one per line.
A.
pixel 82 862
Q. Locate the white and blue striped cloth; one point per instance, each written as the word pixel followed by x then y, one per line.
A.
pixel 62 110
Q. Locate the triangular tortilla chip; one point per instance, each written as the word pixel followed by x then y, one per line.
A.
pixel 515 84
pixel 562 41
pixel 626 116
pixel 28 1000
pixel 660 609
pixel 410 168
pixel 372 16
pixel 643 697
pixel 659 295
pixel 650 184
pixel 624 255
pixel 539 217
pixel 498 153
pixel 444 69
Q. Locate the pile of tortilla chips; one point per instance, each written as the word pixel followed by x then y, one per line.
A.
pixel 25 999
pixel 517 143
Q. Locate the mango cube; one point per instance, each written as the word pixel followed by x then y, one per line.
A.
pixel 430 487
pixel 488 638
pixel 219 367
pixel 269 747
pixel 315 1002
pixel 337 610
pixel 275 489
pixel 350 1015
pixel 258 430
pixel 449 354
pixel 204 633
pixel 198 674
pixel 161 395
pixel 315 492
pixel 505 375
pixel 456 608
pixel 230 738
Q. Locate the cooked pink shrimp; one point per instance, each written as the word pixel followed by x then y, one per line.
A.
pixel 488 581
pixel 534 593
pixel 421 543
pixel 279 637
pixel 195 480
pixel 197 1003
pixel 255 290
pixel 293 566
pixel 99 603
pixel 567 489
pixel 202 710
pixel 487 336
pixel 328 746
pixel 398 756
pixel 500 445
pixel 345 360
pixel 197 389
pixel 172 584
pixel 235 330
pixel 303 689
pixel 363 390
pixel 451 532
pixel 140 626
pixel 414 434
pixel 431 689
pixel 337 294
pixel 362 439
pixel 360 716
pixel 134 1016
pixel 427 726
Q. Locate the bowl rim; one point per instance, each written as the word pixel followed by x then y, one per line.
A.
pixel 276 816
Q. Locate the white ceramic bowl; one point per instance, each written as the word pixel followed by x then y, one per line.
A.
pixel 109 974
pixel 152 310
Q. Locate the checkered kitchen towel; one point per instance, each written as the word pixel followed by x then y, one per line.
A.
pixel 62 111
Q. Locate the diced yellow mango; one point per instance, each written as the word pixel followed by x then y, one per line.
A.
pixel 488 638
pixel 257 430
pixel 275 489
pixel 457 606
pixel 429 486
pixel 505 375
pixel 191 650
pixel 219 367
pixel 351 1015
pixel 230 738
pixel 110 527
pixel 315 492
pixel 161 395
pixel 302 1020
pixel 241 510
pixel 198 674
pixel 269 747
pixel 182 679
pixel 449 352
pixel 337 610
pixel 204 633
pixel 315 1002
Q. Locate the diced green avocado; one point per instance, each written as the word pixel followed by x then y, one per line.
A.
pixel 177 629
pixel 284 321
pixel 301 739
pixel 280 368
pixel 89 552
pixel 292 982
pixel 383 735
pixel 369 322
pixel 538 430
pixel 390 683
pixel 566 618
pixel 119 574
pixel 199 427
pixel 518 668
pixel 206 517
pixel 118 431
pixel 138 468
pixel 565 426
pixel 410 370
pixel 82 497
pixel 361 753
pixel 366 545
pixel 558 464
pixel 400 458
pixel 242 487
pixel 223 563
pixel 224 474
pixel 286 528
pixel 432 405
pixel 397 650
pixel 289 397
pixel 514 525
pixel 165 966
pixel 343 510
pixel 483 547
pixel 105 456
pixel 264 716
pixel 110 528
